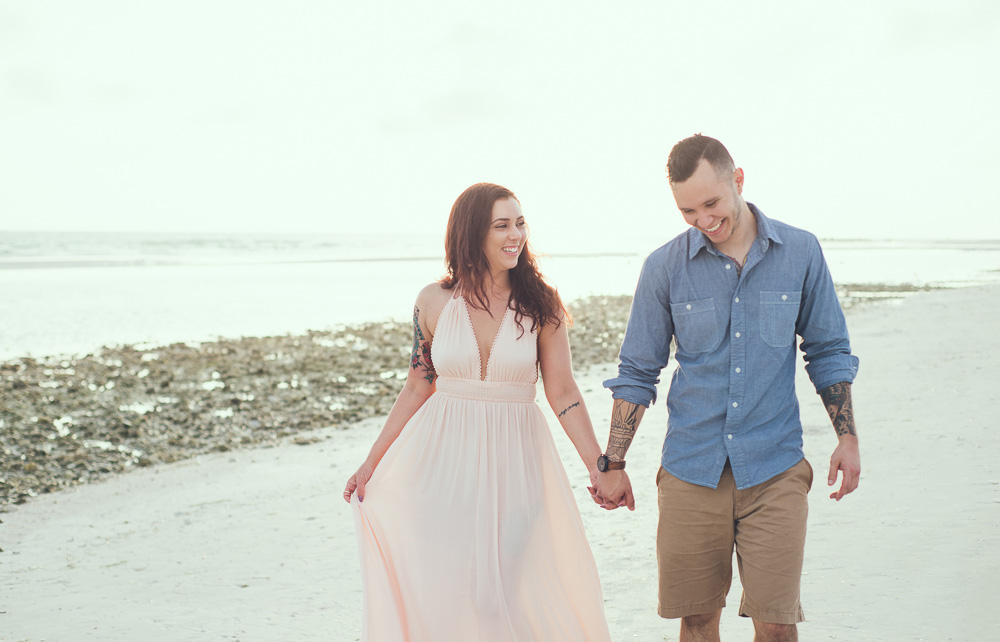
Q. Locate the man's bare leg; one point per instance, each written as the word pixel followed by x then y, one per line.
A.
pixel 701 628
pixel 771 632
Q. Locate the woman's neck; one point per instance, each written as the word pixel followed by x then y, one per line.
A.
pixel 499 284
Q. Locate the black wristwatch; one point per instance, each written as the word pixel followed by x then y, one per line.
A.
pixel 604 464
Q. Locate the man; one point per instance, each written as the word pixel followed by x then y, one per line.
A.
pixel 733 292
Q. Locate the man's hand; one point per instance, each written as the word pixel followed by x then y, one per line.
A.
pixel 612 490
pixel 846 459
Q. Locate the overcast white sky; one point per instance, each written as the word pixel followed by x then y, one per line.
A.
pixel 855 119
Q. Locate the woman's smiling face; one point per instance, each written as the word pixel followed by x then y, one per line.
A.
pixel 506 237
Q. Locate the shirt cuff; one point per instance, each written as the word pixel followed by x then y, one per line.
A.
pixel 629 390
pixel 833 369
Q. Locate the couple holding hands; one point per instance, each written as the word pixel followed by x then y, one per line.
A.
pixel 467 526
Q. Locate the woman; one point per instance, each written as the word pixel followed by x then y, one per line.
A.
pixel 467 526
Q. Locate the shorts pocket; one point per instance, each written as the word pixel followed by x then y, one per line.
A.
pixel 695 325
pixel 778 312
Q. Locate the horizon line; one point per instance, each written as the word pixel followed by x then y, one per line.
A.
pixel 922 239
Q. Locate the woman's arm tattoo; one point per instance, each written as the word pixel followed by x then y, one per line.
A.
pixel 420 357
pixel 569 407
pixel 837 399
pixel 624 422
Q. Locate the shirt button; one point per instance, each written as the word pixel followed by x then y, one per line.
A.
pixel 728 267
pixel 688 306
pixel 737 335
pixel 784 297
pixel 737 299
pixel 735 404
pixel 737 371
pixel 730 437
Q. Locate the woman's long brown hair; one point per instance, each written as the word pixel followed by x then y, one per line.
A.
pixel 468 225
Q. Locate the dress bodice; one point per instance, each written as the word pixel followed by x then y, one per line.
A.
pixel 513 356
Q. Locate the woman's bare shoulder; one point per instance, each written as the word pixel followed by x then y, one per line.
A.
pixel 430 303
pixel 435 293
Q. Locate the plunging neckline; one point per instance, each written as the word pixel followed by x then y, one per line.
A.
pixel 484 370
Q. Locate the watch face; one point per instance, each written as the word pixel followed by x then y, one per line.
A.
pixel 602 463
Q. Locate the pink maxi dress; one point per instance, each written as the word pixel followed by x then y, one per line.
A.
pixel 469 531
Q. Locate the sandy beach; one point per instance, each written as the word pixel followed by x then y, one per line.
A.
pixel 257 544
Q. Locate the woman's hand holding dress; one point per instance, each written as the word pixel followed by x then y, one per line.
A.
pixel 356 484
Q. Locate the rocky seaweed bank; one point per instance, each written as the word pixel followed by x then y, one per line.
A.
pixel 66 421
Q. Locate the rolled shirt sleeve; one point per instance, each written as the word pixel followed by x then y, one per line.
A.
pixel 646 347
pixel 826 346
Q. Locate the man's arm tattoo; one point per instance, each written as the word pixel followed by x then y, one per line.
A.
pixel 569 407
pixel 420 357
pixel 837 399
pixel 624 422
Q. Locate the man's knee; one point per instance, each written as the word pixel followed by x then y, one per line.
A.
pixel 773 632
pixel 702 621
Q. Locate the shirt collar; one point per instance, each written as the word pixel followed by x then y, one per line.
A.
pixel 765 233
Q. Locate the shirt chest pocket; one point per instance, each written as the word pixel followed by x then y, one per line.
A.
pixel 778 312
pixel 695 325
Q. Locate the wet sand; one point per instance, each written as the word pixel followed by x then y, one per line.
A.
pixel 256 544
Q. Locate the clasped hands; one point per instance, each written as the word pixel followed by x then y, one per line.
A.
pixel 612 489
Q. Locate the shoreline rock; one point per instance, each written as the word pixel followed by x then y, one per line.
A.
pixel 67 421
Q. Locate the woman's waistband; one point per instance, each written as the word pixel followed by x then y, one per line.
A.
pixel 486 390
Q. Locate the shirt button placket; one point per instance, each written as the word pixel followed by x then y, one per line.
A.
pixel 737 355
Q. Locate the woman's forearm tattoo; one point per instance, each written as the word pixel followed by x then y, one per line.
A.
pixel 569 407
pixel 420 357
pixel 624 422
pixel 837 399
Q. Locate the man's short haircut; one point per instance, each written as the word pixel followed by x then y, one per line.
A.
pixel 685 156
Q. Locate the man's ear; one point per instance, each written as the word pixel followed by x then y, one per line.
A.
pixel 738 177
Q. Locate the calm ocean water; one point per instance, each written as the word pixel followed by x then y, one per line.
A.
pixel 68 293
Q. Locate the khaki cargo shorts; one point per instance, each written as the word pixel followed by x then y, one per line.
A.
pixel 700 527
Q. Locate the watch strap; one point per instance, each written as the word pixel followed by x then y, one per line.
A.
pixel 604 464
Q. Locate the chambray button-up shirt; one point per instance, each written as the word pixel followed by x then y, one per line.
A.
pixel 732 394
